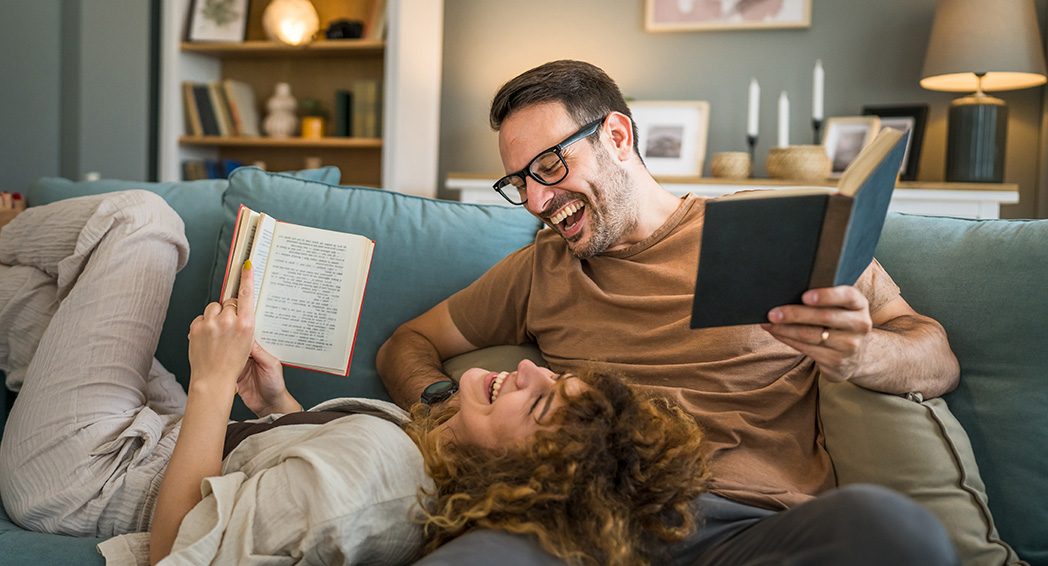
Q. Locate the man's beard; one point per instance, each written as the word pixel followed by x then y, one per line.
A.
pixel 611 212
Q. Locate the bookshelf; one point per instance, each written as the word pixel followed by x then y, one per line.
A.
pixel 403 159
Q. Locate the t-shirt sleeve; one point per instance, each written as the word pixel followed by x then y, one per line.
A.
pixel 492 310
pixel 878 286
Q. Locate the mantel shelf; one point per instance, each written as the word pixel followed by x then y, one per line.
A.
pixel 326 142
pixel 340 47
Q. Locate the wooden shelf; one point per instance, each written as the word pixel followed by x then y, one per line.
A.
pixel 334 48
pixel 325 142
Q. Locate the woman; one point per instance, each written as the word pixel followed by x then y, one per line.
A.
pixel 102 441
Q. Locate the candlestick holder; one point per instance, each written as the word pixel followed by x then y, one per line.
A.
pixel 751 141
pixel 817 127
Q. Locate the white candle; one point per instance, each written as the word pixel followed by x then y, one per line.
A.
pixel 818 83
pixel 753 117
pixel 784 120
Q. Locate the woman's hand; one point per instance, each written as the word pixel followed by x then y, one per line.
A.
pixel 220 340
pixel 261 385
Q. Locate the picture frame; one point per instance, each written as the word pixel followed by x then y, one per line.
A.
pixel 701 15
pixel 672 136
pixel 906 118
pixel 222 21
pixel 845 137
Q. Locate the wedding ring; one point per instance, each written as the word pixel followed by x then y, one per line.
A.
pixel 825 336
pixel 230 303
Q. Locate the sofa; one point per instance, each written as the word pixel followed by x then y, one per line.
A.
pixel 971 457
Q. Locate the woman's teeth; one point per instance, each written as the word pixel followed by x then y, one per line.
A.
pixel 496 385
pixel 566 212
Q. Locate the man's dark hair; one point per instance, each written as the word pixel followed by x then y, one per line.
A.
pixel 586 91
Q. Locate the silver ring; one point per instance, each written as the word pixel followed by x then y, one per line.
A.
pixel 825 336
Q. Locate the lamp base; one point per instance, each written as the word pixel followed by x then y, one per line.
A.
pixel 975 139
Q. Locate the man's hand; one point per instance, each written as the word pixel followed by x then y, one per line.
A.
pixel 832 327
pixel 261 385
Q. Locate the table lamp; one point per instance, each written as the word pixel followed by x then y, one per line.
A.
pixel 980 46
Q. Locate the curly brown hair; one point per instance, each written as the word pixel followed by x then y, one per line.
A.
pixel 614 477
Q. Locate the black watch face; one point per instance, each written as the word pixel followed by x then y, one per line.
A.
pixel 439 391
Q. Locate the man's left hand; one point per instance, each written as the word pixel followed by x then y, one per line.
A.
pixel 831 327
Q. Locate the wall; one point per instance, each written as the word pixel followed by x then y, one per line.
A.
pixel 872 52
pixel 76 92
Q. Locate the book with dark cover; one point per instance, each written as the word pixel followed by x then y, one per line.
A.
pixel 207 114
pixel 764 249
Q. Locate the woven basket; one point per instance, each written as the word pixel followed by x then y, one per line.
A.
pixel 731 165
pixel 799 163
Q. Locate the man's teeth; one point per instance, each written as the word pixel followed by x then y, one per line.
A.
pixel 496 385
pixel 566 212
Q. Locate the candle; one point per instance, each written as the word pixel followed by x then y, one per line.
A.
pixel 784 120
pixel 753 117
pixel 818 80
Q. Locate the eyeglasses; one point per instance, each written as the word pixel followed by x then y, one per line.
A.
pixel 548 167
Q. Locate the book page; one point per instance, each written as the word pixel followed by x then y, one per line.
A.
pixel 772 193
pixel 314 284
pixel 259 251
pixel 243 236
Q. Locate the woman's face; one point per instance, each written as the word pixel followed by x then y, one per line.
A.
pixel 505 409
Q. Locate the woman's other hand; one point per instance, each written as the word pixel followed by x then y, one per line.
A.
pixel 261 385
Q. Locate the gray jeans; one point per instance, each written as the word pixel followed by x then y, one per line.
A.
pixel 84 287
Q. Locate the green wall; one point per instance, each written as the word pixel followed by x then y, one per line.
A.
pixel 872 52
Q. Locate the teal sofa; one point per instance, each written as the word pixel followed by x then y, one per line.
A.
pixel 984 280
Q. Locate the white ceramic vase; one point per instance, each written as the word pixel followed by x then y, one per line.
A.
pixel 281 121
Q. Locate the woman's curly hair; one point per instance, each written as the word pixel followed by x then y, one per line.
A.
pixel 613 478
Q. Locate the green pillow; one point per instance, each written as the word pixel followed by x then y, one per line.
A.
pixel 425 250
pixel 986 281
pixel 916 448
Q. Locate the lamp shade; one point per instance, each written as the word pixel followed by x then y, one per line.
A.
pixel 290 21
pixel 997 38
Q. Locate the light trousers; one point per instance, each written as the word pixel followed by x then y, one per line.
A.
pixel 84 287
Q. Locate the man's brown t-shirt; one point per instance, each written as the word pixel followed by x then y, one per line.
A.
pixel 627 311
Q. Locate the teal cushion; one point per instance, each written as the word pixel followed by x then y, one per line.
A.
pixel 986 282
pixel 199 203
pixel 425 250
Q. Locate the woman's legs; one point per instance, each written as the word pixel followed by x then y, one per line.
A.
pixel 89 279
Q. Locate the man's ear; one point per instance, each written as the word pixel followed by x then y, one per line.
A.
pixel 620 132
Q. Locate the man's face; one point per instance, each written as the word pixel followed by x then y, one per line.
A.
pixel 593 208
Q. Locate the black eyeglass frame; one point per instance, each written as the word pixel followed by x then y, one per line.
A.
pixel 558 150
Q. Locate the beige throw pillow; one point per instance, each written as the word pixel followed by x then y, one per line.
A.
pixel 916 448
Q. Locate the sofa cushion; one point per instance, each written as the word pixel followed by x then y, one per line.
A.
pixel 985 281
pixel 425 250
pixel 916 448
pixel 199 203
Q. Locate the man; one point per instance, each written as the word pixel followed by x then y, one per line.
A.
pixel 611 283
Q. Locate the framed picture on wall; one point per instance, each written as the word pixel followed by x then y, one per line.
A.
pixel 846 137
pixel 911 118
pixel 693 15
pixel 672 136
pixel 217 20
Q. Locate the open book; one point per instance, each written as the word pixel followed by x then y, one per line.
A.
pixel 763 249
pixel 309 287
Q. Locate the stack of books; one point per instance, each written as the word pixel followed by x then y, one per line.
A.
pixel 224 108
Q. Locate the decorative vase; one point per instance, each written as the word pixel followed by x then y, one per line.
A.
pixel 731 165
pixel 281 121
pixel 799 163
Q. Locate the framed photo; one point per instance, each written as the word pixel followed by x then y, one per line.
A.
pixel 845 138
pixel 217 20
pixel 672 136
pixel 693 15
pixel 905 119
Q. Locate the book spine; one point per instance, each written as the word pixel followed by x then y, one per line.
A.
pixel 193 124
pixel 207 114
pixel 831 241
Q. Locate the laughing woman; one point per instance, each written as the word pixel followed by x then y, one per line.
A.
pixel 102 441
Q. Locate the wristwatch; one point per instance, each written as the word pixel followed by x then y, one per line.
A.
pixel 438 391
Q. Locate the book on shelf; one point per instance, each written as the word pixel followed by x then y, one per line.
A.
pixel 194 127
pixel 764 249
pixel 197 169
pixel 243 107
pixel 343 113
pixel 366 116
pixel 208 120
pixel 221 109
pixel 309 288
